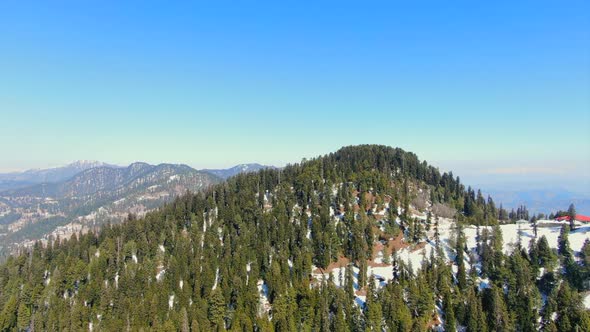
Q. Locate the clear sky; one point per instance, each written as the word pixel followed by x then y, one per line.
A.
pixel 480 87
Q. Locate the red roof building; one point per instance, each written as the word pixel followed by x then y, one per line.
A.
pixel 579 217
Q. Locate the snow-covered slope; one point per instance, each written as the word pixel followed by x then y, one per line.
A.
pixel 413 255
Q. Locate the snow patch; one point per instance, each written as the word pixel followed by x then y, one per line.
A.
pixel 160 275
pixel 171 301
pixel 360 300
pixel 248 268
pixel 216 279
pixel 483 284
pixel 264 303
pixel 413 257
pixel 511 233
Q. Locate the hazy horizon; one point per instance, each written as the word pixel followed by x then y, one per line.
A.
pixel 477 174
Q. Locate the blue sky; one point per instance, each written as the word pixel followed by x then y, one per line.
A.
pixel 484 88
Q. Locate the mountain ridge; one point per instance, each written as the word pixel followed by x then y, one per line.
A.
pixel 226 173
pixel 29 177
pixel 94 196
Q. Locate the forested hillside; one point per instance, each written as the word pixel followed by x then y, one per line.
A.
pixel 367 238
pixel 90 199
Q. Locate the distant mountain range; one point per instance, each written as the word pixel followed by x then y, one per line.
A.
pixel 60 201
pixel 50 175
pixel 242 168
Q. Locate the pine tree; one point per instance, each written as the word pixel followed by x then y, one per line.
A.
pixel 474 312
pixel 184 327
pixel 459 260
pixel 24 316
pixel 386 256
pixel 571 212
pixel 216 311
pixel 546 256
pixel 534 254
pixel 8 315
pixel 349 282
pixel 496 310
pixel 563 243
pixel 340 323
pixel 410 230
pixel 373 307
pixel 450 323
pixel 585 260
pixel 436 232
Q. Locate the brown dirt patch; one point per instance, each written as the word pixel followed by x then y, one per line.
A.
pixel 369 198
pixel 391 245
pixel 377 247
pixel 434 321
pixel 396 244
pixel 419 246
pixel 341 262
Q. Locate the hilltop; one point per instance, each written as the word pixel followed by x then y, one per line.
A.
pixel 366 238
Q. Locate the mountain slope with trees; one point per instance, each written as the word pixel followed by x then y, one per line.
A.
pixel 244 255
pixel 91 198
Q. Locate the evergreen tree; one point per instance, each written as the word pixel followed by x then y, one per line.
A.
pixel 563 243
pixel 216 311
pixel 450 323
pixel 24 316
pixel 545 254
pixel 571 213
pixel 498 318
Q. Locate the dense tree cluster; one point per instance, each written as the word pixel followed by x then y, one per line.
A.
pixel 202 262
